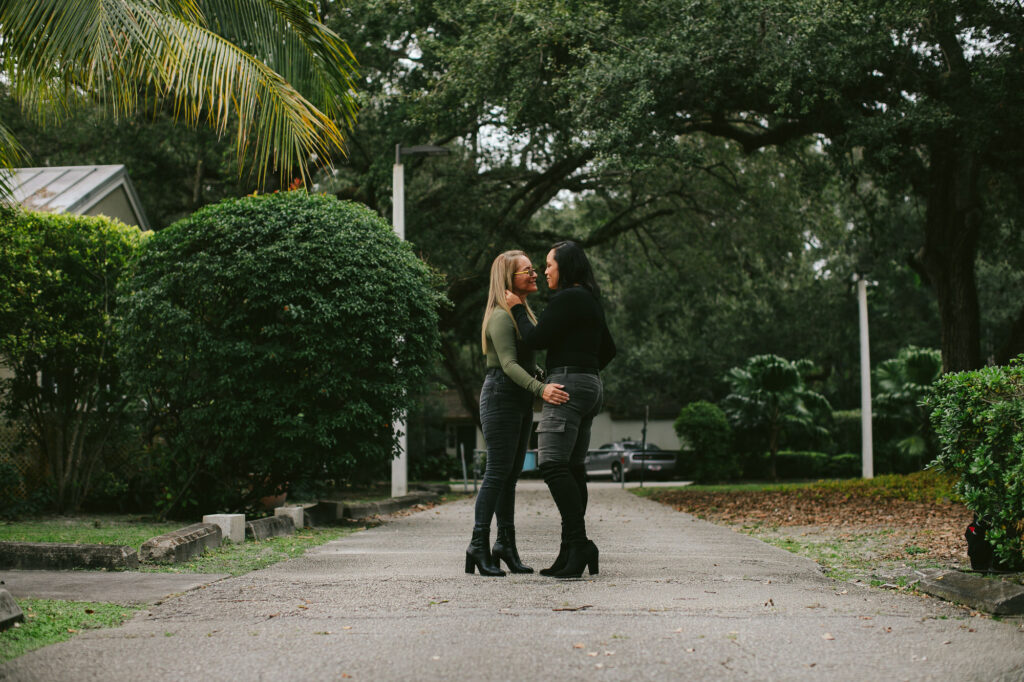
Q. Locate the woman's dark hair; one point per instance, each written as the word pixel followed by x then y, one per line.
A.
pixel 574 268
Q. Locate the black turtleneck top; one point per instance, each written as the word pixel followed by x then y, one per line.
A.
pixel 572 328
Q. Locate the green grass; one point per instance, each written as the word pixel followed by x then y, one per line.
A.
pixel 99 529
pixel 252 555
pixel 49 621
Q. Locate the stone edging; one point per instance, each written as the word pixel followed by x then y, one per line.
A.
pixel 998 597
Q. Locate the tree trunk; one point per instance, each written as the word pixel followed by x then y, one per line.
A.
pixel 952 225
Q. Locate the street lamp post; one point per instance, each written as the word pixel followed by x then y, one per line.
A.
pixel 867 449
pixel 400 464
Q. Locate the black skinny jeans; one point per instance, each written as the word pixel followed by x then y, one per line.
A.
pixel 563 435
pixel 506 417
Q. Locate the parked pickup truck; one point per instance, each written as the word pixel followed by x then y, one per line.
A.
pixel 627 458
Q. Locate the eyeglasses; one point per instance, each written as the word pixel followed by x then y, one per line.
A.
pixel 527 271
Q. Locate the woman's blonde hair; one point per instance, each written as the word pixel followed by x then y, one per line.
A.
pixel 502 275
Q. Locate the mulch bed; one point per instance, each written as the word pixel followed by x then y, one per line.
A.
pixel 934 530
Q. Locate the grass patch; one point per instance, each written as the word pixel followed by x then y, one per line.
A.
pixel 252 555
pixel 48 621
pixel 99 530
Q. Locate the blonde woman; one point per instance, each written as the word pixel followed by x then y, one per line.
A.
pixel 506 415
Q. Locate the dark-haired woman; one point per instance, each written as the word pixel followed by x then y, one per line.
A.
pixel 573 330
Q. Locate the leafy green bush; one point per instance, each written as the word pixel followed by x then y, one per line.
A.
pixel 705 431
pixel 278 337
pixel 979 421
pixel 58 275
pixel 798 464
pixel 846 465
pixel 846 430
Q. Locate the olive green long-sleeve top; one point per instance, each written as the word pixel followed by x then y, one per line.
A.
pixel 505 350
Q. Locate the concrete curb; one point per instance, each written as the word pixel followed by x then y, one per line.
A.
pixel 64 555
pixel 269 527
pixel 182 544
pixel 992 596
pixel 10 612
pixel 363 510
pixel 328 512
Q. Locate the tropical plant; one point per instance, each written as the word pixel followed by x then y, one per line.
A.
pixel 276 338
pixel 768 399
pixel 58 275
pixel 270 65
pixel 901 386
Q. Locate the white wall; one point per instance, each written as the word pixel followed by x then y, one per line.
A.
pixel 606 430
pixel 659 431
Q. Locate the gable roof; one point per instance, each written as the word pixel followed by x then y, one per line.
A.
pixel 82 190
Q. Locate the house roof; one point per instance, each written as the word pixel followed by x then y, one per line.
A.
pixel 79 190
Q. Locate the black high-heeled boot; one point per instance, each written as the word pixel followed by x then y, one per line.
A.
pixel 582 554
pixel 478 556
pixel 505 550
pixel 563 556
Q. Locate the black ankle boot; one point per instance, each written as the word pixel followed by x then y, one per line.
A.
pixel 505 550
pixel 582 554
pixel 563 556
pixel 478 556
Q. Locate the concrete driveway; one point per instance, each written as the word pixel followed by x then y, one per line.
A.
pixel 676 599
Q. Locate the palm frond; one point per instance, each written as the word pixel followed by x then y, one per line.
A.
pixel 115 50
pixel 11 154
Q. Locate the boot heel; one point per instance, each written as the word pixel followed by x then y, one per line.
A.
pixel 470 564
pixel 592 566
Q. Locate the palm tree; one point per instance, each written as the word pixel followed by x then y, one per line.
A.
pixel 901 386
pixel 270 65
pixel 768 396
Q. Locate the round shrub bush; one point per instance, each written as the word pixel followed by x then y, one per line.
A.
pixel 278 338
pixel 705 432
pixel 979 421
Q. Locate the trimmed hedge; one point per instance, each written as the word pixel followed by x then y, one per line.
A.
pixel 278 338
pixel 979 420
pixel 702 426
pixel 807 465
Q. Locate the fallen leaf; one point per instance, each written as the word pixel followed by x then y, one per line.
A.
pixel 599 666
pixel 827 636
pixel 578 645
pixel 591 653
pixel 346 627
pixel 90 611
pixel 435 658
pixel 72 630
pixel 690 651
pixel 770 602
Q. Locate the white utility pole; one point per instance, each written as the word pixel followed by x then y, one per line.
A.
pixel 400 464
pixel 867 453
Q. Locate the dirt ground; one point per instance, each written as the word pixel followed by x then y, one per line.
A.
pixel 873 540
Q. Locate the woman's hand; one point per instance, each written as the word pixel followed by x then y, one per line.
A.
pixel 554 394
pixel 512 299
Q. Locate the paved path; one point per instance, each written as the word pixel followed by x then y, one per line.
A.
pixel 677 598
